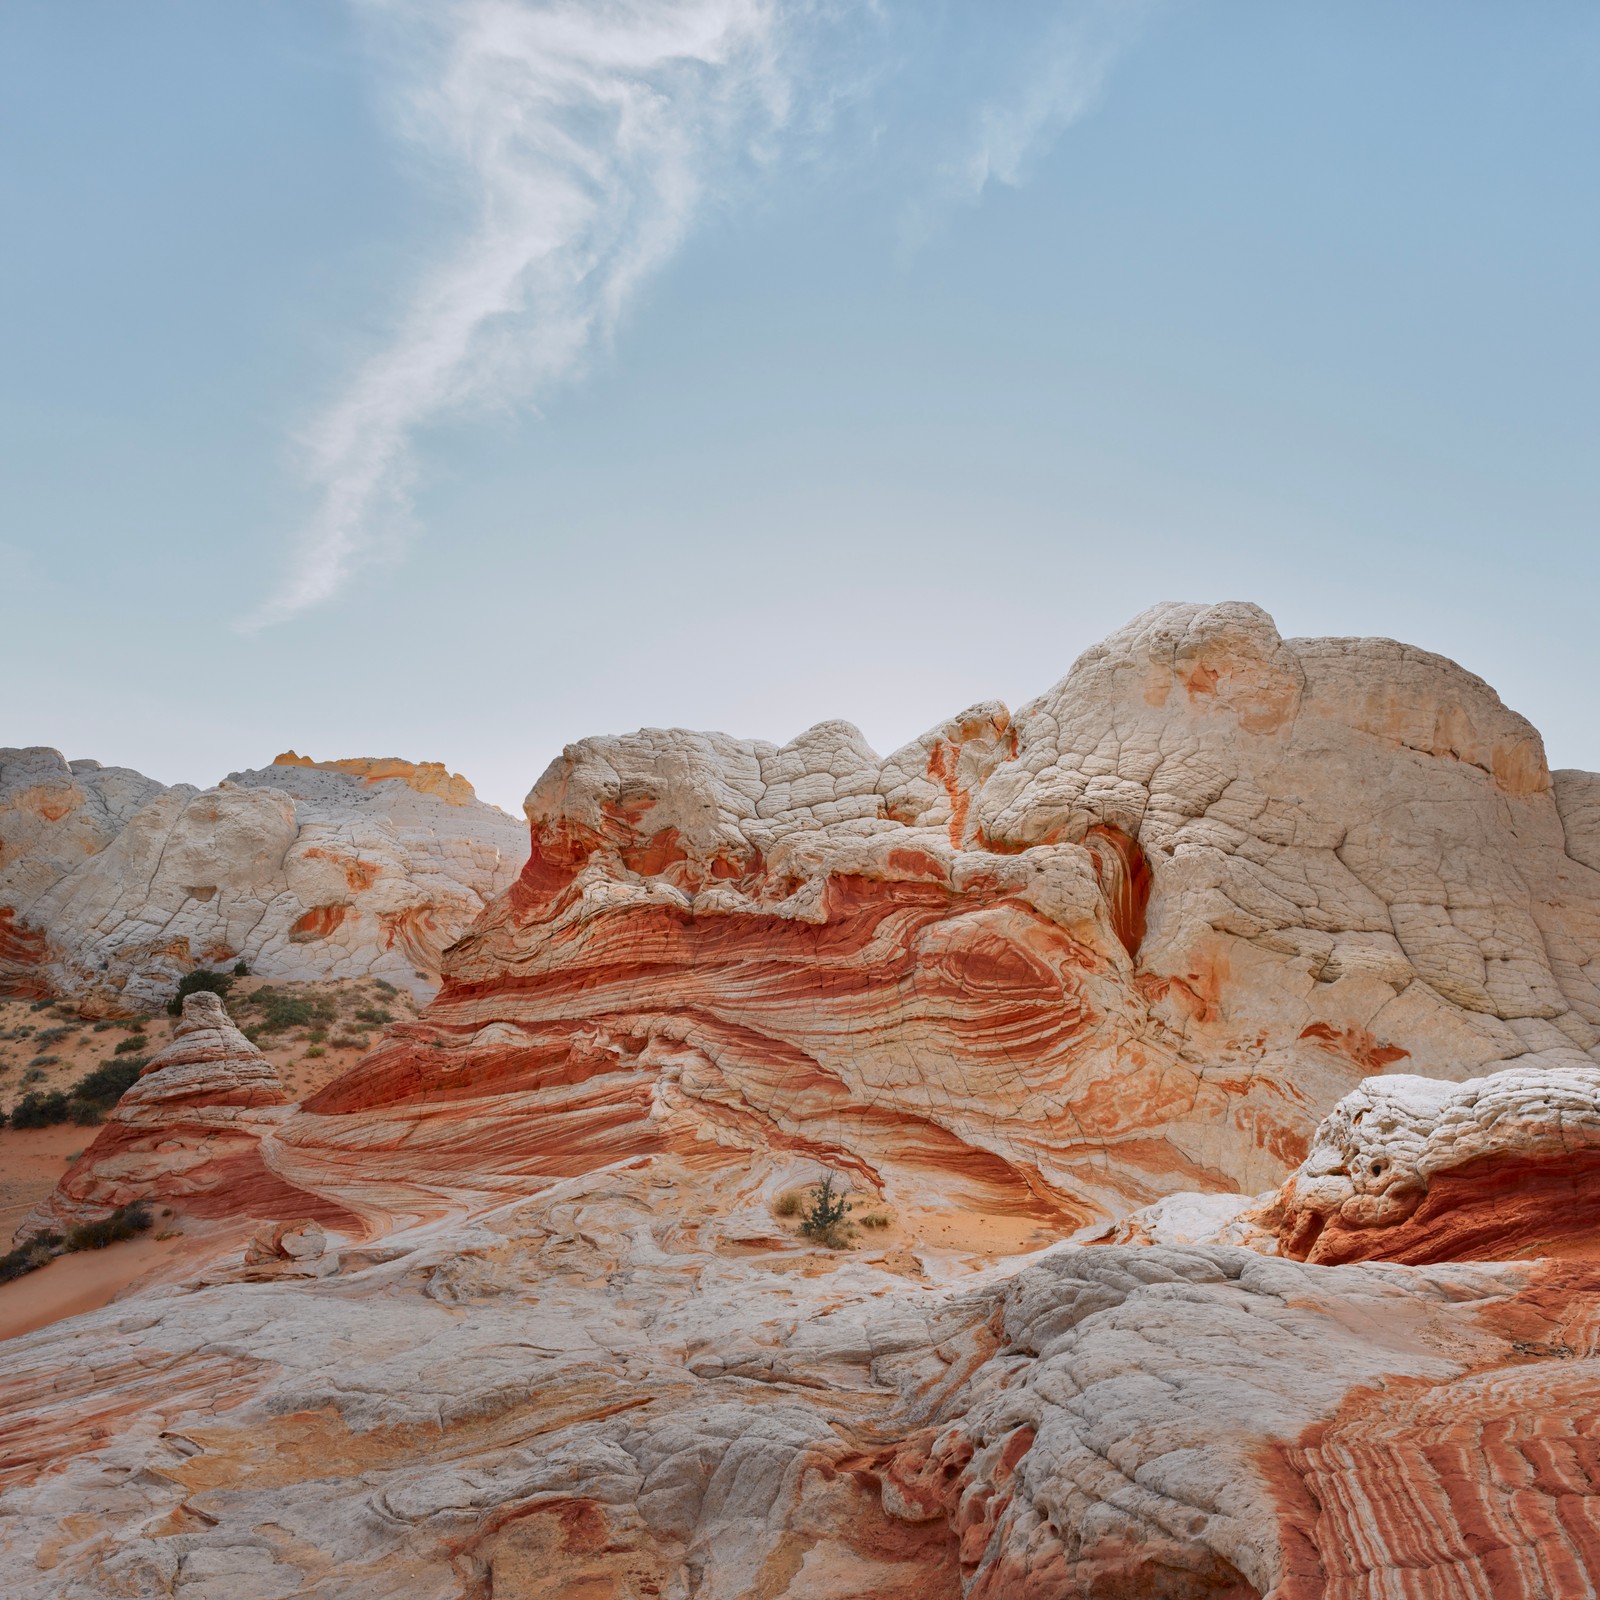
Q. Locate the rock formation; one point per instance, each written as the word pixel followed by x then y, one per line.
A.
pixel 113 886
pixel 1419 1169
pixel 1215 928
pixel 190 1134
pixel 1138 938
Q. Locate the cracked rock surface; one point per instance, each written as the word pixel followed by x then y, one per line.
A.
pixel 1272 961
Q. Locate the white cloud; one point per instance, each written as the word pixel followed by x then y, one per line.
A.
pixel 588 131
pixel 587 135
pixel 1058 83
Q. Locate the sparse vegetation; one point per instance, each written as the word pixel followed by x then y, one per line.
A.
pixel 85 1103
pixel 42 1247
pixel 875 1219
pixel 383 986
pixel 828 1218
pixel 241 970
pixel 316 1050
pixel 109 1082
pixel 217 983
pixel 134 1041
pixel 40 1062
pixel 375 1015
pixel 123 1223
pixel 280 1011
pixel 349 1041
pixel 788 1204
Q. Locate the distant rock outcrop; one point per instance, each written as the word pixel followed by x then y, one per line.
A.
pixel 113 886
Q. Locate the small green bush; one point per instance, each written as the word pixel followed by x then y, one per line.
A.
pixel 827 1221
pixel 217 983
pixel 85 1103
pixel 375 1015
pixel 384 987
pixel 35 1110
pixel 26 1257
pixel 134 1041
pixel 108 1082
pixel 123 1223
pixel 106 1026
pixel 44 1061
pixel 280 1011
pixel 241 970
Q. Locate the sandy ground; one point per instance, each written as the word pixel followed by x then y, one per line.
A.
pixel 82 1281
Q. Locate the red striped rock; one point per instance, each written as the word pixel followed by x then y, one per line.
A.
pixel 189 1133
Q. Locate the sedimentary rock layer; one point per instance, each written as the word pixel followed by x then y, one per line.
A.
pixel 112 886
pixel 189 1133
pixel 1139 937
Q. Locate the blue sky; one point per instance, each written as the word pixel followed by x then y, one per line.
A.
pixel 453 381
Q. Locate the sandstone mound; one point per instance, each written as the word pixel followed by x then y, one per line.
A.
pixel 1139 937
pixel 113 886
pixel 1220 914
pixel 190 1134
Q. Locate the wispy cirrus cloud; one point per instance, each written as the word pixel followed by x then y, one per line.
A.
pixel 587 136
pixel 1057 81
pixel 587 132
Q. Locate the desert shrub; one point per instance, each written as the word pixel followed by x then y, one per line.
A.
pixel 240 970
pixel 134 1041
pixel 788 1204
pixel 123 1223
pixel 827 1220
pixel 280 1010
pixel 44 1061
pixel 35 1110
pixel 349 1041
pixel 376 1015
pixel 53 1035
pixel 217 983
pixel 41 1005
pixel 84 1103
pixel 28 1255
pixel 316 1050
pixel 108 1082
pixel 383 986
pixel 105 1026
pixel 875 1219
